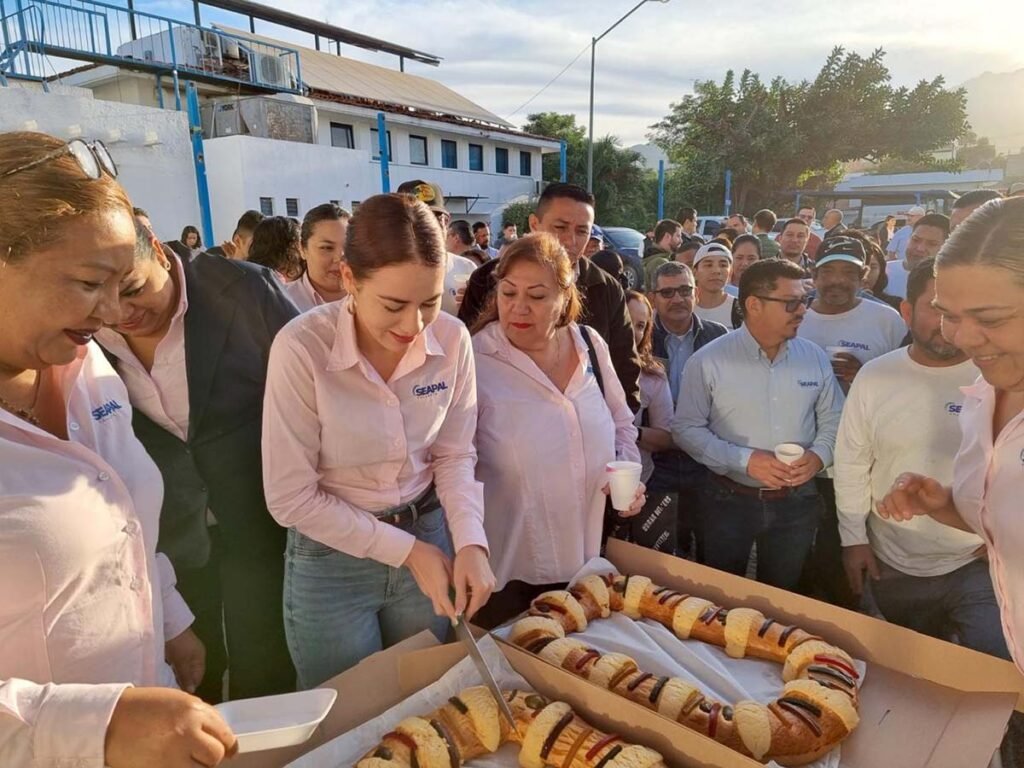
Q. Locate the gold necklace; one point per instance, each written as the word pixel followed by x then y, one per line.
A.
pixel 26 414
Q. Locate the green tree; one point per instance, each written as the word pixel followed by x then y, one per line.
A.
pixel 621 185
pixel 779 135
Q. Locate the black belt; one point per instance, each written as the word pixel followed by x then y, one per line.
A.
pixel 764 494
pixel 404 515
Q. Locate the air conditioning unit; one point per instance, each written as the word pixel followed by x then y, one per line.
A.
pixel 270 70
pixel 211 45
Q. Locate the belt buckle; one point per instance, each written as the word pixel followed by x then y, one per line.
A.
pixel 762 493
pixel 414 512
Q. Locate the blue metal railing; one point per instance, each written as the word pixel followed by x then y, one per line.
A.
pixel 94 31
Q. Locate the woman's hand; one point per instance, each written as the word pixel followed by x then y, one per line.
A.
pixel 636 506
pixel 433 573
pixel 187 656
pixel 913 495
pixel 165 728
pixel 474 580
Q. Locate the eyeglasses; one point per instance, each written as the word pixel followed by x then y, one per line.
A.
pixel 683 291
pixel 93 158
pixel 790 305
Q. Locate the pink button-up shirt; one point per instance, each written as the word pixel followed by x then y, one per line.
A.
pixel 85 601
pixel 161 393
pixel 303 294
pixel 340 443
pixel 988 476
pixel 542 456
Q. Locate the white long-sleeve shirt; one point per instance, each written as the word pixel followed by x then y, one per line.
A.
pixel 901 417
pixel 542 457
pixel 85 601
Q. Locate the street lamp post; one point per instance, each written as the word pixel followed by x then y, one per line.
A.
pixel 593 53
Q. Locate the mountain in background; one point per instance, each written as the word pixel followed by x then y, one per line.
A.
pixel 650 155
pixel 995 108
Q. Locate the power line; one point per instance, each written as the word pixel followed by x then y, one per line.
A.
pixel 550 82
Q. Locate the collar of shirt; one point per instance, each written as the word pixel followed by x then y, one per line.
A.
pixel 307 284
pixel 345 351
pixel 747 341
pixel 493 341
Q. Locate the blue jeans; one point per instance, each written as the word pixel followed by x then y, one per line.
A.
pixel 961 602
pixel 339 609
pixel 729 523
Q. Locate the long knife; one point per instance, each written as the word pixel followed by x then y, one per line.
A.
pixel 464 634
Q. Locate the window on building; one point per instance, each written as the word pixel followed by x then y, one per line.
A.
pixel 525 164
pixel 501 160
pixel 291 206
pixel 476 157
pixel 418 150
pixel 375 145
pixel 267 206
pixel 342 136
pixel 449 154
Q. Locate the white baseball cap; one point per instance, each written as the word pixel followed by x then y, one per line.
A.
pixel 917 210
pixel 711 249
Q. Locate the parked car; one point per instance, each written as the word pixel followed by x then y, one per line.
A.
pixel 629 244
pixel 708 226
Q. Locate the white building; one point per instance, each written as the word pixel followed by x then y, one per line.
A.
pixel 284 154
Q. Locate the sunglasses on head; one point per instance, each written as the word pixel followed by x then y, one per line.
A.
pixel 92 157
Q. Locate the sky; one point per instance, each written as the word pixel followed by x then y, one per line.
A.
pixel 500 54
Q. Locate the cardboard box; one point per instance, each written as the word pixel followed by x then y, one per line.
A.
pixel 924 703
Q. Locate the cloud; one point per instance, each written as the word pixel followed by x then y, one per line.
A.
pixel 500 54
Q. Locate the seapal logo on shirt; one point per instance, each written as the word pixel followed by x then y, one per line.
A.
pixel 853 345
pixel 953 408
pixel 805 383
pixel 426 390
pixel 105 411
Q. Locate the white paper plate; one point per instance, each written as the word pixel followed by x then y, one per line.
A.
pixel 270 722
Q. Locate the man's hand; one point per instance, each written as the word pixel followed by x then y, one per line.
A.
pixel 857 560
pixel 165 728
pixel 912 495
pixel 187 657
pixel 804 468
pixel 767 470
pixel 845 367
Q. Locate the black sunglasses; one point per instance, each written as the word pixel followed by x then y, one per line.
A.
pixel 683 291
pixel 790 305
pixel 93 158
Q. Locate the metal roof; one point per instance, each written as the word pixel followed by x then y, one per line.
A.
pixel 928 178
pixel 322 28
pixel 323 71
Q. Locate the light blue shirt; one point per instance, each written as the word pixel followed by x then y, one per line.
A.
pixel 680 349
pixel 733 400
pixel 900 240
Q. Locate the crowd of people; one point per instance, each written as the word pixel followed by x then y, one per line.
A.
pixel 235 471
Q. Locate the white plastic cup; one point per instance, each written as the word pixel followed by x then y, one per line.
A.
pixel 623 479
pixel 834 352
pixel 461 280
pixel 787 453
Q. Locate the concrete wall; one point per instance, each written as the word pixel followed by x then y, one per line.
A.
pixel 159 178
pixel 243 169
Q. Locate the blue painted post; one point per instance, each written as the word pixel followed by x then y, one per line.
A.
pixel 177 91
pixel 917 197
pixel 661 190
pixel 382 140
pixel 160 91
pixel 796 205
pixel 728 191
pixel 20 9
pixel 563 162
pixel 195 126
